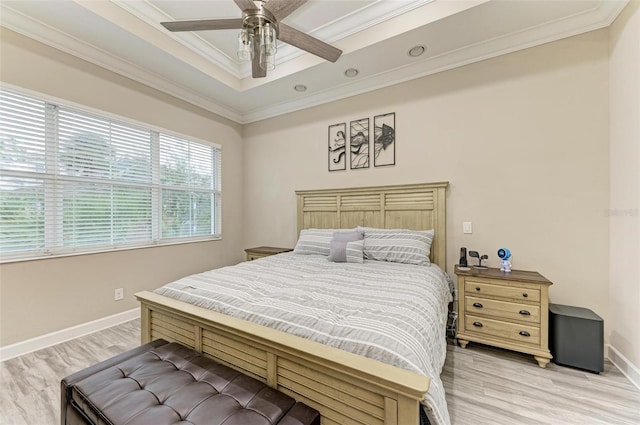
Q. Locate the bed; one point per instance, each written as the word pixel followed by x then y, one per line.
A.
pixel 345 387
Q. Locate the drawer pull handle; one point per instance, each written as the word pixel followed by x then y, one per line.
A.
pixel 525 295
pixel 525 333
pixel 477 324
pixel 477 305
pixel 478 288
pixel 525 313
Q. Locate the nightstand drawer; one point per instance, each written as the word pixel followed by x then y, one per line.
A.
pixel 502 309
pixel 521 334
pixel 479 288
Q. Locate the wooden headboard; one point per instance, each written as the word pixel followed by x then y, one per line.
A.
pixel 410 206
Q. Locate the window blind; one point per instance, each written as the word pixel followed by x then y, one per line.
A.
pixel 73 181
pixel 22 168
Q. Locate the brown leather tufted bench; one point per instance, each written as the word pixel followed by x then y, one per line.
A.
pixel 163 383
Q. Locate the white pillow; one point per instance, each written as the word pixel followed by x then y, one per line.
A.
pixel 316 241
pixel 398 245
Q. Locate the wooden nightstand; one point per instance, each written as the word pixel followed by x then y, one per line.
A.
pixel 508 310
pixel 264 251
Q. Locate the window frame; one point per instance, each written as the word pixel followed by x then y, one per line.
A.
pixel 155 186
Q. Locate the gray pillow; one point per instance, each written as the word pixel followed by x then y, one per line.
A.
pixel 347 247
pixel 398 245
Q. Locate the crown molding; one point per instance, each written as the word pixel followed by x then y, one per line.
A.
pixel 43 33
pixel 598 17
pixel 151 15
pixel 591 20
pixel 368 16
pixel 355 22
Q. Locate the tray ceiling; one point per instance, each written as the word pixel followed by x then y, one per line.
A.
pixel 375 35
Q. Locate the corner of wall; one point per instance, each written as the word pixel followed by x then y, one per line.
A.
pixel 623 364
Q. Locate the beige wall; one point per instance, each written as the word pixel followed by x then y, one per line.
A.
pixel 522 139
pixel 625 184
pixel 38 297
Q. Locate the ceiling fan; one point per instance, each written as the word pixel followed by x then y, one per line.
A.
pixel 259 27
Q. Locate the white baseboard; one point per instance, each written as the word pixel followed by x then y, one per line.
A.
pixel 53 338
pixel 627 368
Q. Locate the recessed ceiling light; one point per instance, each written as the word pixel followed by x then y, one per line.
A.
pixel 351 72
pixel 416 51
pixel 300 87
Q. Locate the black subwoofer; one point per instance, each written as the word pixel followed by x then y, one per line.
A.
pixel 576 337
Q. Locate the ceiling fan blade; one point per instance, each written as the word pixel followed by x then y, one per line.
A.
pixel 245 4
pixel 306 42
pixel 203 25
pixel 256 71
pixel 283 8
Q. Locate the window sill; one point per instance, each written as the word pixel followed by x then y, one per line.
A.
pixel 105 250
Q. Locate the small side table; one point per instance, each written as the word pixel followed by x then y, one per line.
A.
pixel 264 251
pixel 504 309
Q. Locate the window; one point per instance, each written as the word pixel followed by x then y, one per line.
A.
pixel 72 181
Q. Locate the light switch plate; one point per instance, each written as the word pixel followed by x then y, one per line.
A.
pixel 467 227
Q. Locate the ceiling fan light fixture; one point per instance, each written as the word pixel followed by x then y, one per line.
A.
pixel 267 61
pixel 268 39
pixel 245 45
pixel 268 47
pixel 259 32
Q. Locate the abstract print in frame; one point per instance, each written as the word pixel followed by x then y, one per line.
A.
pixel 359 143
pixel 338 147
pixel 384 140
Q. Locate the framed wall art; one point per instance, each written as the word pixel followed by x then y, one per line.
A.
pixel 384 141
pixel 338 147
pixel 359 143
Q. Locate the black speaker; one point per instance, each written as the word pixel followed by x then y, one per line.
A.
pixel 463 257
pixel 576 337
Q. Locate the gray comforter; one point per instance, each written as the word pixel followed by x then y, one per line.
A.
pixel 391 312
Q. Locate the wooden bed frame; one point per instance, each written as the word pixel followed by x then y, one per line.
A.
pixel 344 387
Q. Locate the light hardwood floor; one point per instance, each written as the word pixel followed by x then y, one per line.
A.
pixel 484 386
pixel 30 384
pixel 491 386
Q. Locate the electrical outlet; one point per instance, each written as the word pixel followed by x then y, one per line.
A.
pixel 119 294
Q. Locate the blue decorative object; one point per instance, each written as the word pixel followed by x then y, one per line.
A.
pixel 505 263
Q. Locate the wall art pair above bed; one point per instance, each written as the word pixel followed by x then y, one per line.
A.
pixel 355 145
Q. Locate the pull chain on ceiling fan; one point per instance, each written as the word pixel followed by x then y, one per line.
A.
pixel 259 27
